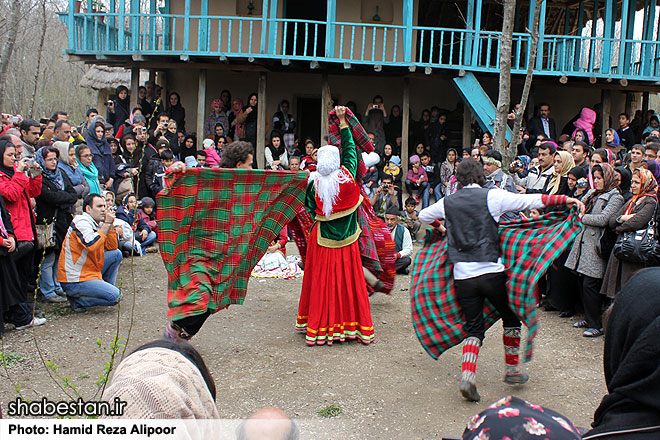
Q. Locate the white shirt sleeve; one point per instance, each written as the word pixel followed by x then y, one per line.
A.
pixel 501 201
pixel 406 246
pixel 269 157
pixel 433 212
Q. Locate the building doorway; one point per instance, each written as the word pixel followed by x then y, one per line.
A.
pixel 308 111
pixel 300 37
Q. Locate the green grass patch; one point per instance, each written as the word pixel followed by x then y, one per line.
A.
pixel 59 311
pixel 10 359
pixel 84 376
pixel 329 411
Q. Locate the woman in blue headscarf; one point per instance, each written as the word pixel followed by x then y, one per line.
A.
pixel 87 168
pixel 102 154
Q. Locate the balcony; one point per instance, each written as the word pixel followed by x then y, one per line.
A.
pixel 210 38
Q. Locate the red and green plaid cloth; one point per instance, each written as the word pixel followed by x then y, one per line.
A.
pixel 528 250
pixel 214 226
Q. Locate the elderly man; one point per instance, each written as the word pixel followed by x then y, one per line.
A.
pixel 89 260
pixel 402 240
pixel 62 131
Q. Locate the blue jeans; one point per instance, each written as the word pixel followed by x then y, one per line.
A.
pixel 48 279
pixel 150 239
pixel 98 292
pixel 426 197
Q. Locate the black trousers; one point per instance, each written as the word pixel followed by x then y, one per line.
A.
pixel 593 301
pixel 564 286
pixel 192 324
pixel 402 265
pixel 471 294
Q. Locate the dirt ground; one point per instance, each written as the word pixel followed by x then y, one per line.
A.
pixel 390 389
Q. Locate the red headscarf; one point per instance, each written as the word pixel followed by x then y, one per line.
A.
pixel 649 189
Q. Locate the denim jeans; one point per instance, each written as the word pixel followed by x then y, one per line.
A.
pixel 150 239
pixel 426 196
pixel 48 280
pixel 98 292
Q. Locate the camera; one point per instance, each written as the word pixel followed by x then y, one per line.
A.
pixel 107 103
pixel 166 124
pixel 582 183
pixel 142 129
pixel 13 120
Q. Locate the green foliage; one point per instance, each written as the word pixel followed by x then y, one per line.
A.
pixel 10 359
pixel 329 411
pixel 116 344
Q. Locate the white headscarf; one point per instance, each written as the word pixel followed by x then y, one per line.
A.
pixel 328 176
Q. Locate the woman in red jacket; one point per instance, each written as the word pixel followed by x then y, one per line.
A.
pixel 17 189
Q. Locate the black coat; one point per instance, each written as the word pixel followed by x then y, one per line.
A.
pixel 53 199
pixel 535 127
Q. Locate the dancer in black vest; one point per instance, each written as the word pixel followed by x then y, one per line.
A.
pixel 471 217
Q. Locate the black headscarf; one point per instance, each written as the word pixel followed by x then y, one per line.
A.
pixel 277 152
pixel 632 350
pixel 624 184
pixel 4 144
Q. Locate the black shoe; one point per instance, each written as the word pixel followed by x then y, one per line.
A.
pixel 76 307
pixel 549 308
pixel 469 391
pixel 516 379
pixel 566 314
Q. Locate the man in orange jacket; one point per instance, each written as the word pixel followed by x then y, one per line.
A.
pixel 89 260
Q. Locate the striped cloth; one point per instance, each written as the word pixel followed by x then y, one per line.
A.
pixel 214 226
pixel 377 248
pixel 528 249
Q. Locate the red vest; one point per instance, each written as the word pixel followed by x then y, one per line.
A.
pixel 348 198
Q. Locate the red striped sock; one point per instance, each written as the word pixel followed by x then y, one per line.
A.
pixel 469 359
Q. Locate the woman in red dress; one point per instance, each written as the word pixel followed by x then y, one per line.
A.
pixel 334 303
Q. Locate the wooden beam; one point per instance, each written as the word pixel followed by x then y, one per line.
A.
pixel 201 105
pixel 331 18
pixel 606 110
pixel 272 29
pixel 326 104
pixel 408 30
pixel 405 123
pixel 135 83
pixel 467 128
pixel 261 120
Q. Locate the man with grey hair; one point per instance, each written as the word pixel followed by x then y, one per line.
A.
pixel 268 423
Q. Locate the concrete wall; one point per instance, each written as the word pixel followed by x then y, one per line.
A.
pixel 565 100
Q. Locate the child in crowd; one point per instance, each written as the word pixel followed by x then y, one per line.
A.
pixel 146 209
pixel 417 178
pixel 142 236
pixel 433 173
pixel 410 217
pixel 393 168
pixel 370 180
pixel 166 159
pixel 309 150
pixel 310 162
pixel 212 156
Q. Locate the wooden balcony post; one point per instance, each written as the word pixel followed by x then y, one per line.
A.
pixel 272 28
pixel 201 105
pixel 606 103
pixel 627 32
pixel 121 26
pixel 135 83
pixel 467 127
pixel 331 17
pixel 649 30
pixel 577 64
pixel 203 27
pixel 608 34
pixel 264 27
pixel 135 24
pixel 477 28
pixel 408 31
pixel 405 122
pixel 469 38
pixel 71 25
pixel 326 103
pixel 152 25
pixel 186 27
pixel 261 120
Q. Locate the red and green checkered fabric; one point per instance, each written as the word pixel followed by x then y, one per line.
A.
pixel 214 226
pixel 528 249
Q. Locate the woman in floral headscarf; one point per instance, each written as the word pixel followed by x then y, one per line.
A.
pixel 602 203
pixel 632 216
pixel 217 116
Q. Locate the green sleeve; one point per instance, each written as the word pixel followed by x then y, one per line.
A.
pixel 349 153
pixel 310 200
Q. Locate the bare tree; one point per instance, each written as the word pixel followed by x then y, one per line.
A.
pixel 8 48
pixel 41 50
pixel 517 123
pixel 504 96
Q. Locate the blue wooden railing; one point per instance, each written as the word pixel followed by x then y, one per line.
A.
pixel 107 34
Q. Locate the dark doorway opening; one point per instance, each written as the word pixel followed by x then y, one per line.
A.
pixel 300 37
pixel 309 121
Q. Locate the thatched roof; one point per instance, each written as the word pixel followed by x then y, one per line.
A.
pixel 105 77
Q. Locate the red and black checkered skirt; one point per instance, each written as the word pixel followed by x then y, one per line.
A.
pixel 334 303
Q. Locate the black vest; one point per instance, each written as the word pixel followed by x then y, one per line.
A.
pixel 471 230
